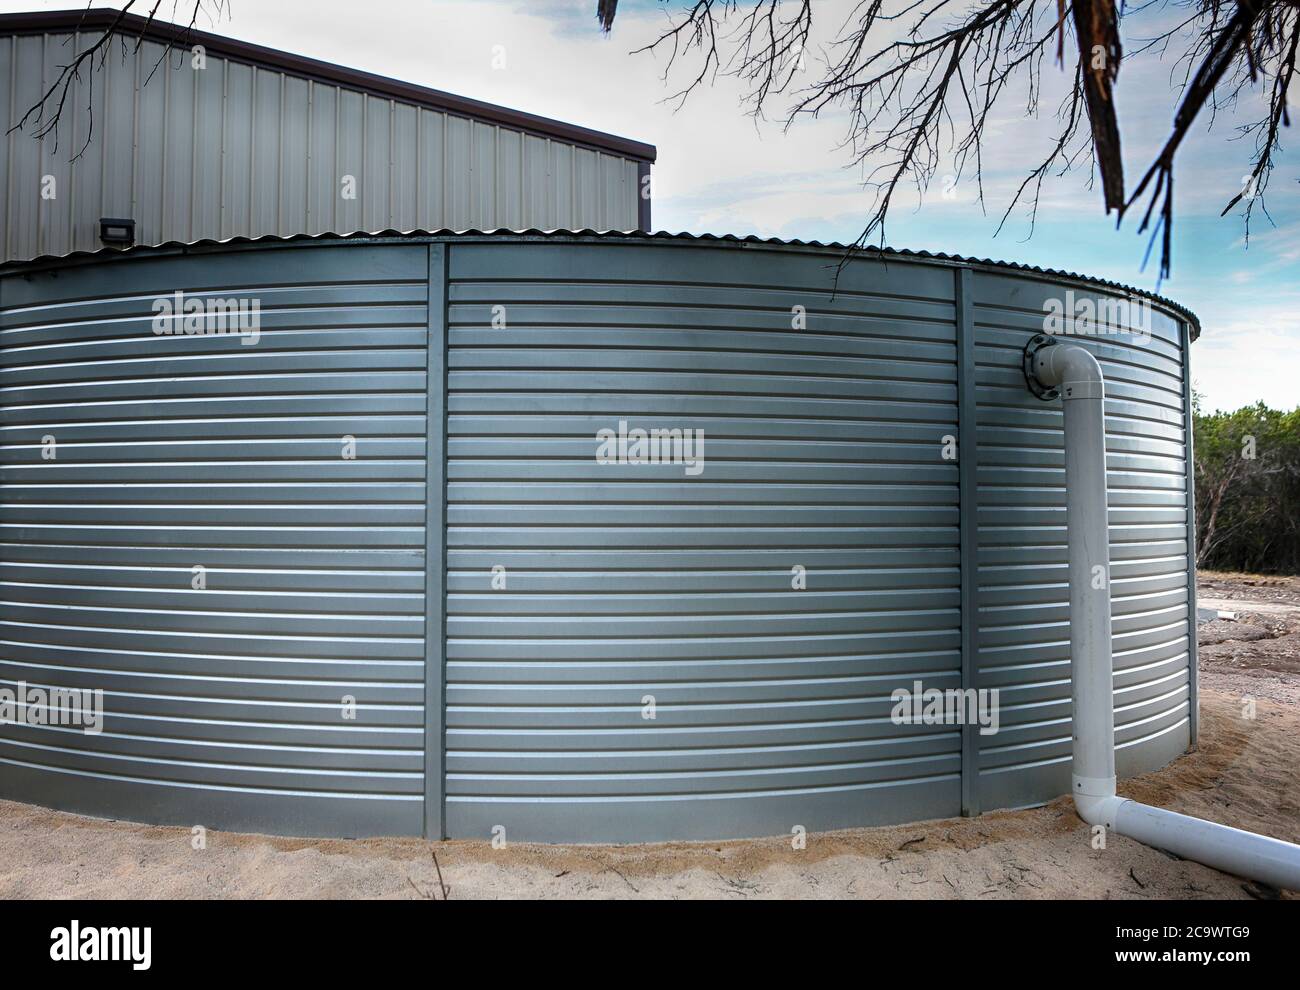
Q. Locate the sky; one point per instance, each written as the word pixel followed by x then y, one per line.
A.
pixel 720 171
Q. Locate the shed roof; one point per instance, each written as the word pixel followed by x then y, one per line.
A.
pixel 165 32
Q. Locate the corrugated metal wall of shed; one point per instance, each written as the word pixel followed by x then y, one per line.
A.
pixel 234 149
pixel 225 705
pixel 623 583
pixel 1024 613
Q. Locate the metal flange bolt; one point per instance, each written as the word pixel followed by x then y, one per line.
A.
pixel 1036 343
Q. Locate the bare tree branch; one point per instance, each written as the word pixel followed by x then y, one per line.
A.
pixel 922 79
pixel 44 115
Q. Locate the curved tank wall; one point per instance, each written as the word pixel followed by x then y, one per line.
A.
pixel 597 651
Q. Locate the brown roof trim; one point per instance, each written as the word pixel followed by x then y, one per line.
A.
pixel 299 65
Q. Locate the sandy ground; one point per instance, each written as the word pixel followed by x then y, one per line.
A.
pixel 1243 774
pixel 1264 640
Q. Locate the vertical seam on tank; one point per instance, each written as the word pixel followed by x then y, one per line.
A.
pixel 1189 423
pixel 967 473
pixel 435 542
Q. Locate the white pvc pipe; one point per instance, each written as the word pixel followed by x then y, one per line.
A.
pixel 1078 376
pixel 1232 850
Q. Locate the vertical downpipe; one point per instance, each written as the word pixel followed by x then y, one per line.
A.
pixel 1083 396
pixel 1075 373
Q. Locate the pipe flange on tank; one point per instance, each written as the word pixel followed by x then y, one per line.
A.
pixel 1036 343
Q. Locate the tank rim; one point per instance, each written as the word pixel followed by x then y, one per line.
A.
pixel 46 261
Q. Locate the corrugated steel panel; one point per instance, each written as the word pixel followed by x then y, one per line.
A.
pixel 235 149
pixel 225 706
pixel 1024 600
pixel 823 450
pixel 1064 278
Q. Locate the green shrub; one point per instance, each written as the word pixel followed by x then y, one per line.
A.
pixel 1248 489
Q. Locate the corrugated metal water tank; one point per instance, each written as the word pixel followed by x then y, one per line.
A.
pixel 176 452
pixel 595 651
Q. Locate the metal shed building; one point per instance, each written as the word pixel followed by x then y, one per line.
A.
pixel 532 638
pixel 248 141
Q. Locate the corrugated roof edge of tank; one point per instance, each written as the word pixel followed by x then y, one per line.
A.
pixel 174 247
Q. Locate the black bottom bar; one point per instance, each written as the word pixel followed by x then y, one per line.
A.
pixel 916 941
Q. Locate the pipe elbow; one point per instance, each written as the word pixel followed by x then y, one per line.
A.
pixel 1072 368
pixel 1098 809
pixel 1095 799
